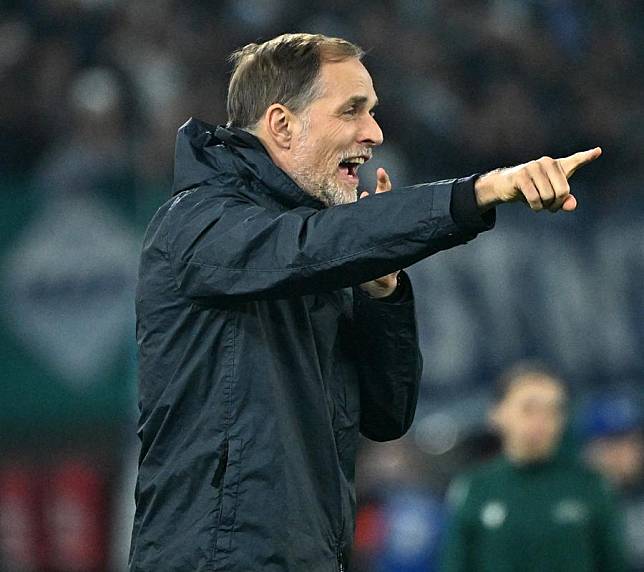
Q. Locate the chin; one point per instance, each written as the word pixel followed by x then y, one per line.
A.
pixel 352 192
pixel 351 197
pixel 540 454
pixel 349 191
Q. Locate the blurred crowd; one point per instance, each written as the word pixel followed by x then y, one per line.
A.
pixel 97 88
pixel 92 94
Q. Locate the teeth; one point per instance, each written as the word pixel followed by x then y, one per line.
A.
pixel 356 160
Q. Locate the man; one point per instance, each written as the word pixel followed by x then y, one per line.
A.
pixel 273 321
pixel 532 510
pixel 614 447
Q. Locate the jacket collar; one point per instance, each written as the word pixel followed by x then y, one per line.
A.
pixel 263 168
pixel 203 139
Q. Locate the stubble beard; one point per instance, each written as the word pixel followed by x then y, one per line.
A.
pixel 319 184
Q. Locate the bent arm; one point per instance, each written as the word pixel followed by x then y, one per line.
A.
pixel 389 362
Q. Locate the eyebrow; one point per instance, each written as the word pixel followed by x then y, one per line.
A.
pixel 358 101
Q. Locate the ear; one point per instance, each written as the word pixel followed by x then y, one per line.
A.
pixel 279 125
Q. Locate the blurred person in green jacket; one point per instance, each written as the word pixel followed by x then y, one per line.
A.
pixel 532 509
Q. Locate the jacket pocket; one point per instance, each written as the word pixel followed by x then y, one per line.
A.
pixel 225 481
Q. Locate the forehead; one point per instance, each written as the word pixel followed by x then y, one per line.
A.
pixel 345 79
pixel 537 389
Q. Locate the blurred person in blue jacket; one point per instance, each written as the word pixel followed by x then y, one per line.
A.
pixel 614 446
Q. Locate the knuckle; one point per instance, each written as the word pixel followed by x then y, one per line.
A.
pixel 523 177
pixel 543 167
pixel 521 172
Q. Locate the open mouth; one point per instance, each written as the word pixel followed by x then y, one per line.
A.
pixel 349 167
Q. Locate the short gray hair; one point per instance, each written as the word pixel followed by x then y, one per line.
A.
pixel 282 70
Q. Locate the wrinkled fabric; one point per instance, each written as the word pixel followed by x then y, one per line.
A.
pixel 261 360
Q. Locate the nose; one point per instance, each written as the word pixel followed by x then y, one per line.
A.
pixel 370 133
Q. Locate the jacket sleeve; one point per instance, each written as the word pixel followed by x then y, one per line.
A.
pixel 389 361
pixel 227 248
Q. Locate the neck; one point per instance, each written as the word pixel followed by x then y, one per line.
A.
pixel 274 152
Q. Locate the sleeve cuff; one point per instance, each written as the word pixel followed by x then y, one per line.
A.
pixel 464 210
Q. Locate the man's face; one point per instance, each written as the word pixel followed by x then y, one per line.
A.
pixel 337 133
pixel 531 418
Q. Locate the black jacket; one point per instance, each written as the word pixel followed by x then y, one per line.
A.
pixel 260 358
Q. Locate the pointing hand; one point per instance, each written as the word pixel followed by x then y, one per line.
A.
pixel 543 183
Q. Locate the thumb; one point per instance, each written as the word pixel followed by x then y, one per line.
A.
pixel 364 194
pixel 571 163
pixel 383 183
pixel 570 204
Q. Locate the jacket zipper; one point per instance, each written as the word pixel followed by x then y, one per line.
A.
pixel 339 555
pixel 338 549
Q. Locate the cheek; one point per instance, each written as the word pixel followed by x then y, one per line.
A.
pixel 338 131
pixel 333 141
pixel 329 157
pixel 320 152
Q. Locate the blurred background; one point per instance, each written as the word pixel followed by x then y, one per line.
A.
pixel 92 93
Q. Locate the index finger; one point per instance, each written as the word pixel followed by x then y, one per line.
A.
pixel 571 163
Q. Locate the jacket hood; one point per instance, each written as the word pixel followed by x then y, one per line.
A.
pixel 194 161
pixel 204 151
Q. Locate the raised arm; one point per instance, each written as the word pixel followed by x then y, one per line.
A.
pixel 228 248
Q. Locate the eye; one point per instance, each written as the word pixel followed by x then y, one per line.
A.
pixel 350 111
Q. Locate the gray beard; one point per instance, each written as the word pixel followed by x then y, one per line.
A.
pixel 323 189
